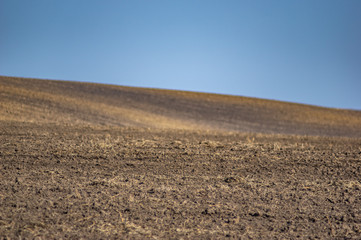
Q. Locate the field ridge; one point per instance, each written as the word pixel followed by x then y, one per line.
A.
pixel 65 102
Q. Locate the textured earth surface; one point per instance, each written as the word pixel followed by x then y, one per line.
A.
pixel 86 163
pixel 69 103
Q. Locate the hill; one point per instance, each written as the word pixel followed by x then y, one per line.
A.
pixel 60 102
pixel 93 161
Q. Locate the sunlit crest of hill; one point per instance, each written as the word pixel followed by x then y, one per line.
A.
pixel 64 102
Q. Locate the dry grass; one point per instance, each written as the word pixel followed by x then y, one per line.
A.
pixel 37 106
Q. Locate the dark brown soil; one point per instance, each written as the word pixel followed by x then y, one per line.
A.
pixel 87 176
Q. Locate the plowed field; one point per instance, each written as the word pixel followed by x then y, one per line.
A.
pixel 87 176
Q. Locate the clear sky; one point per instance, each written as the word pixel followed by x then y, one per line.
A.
pixel 305 51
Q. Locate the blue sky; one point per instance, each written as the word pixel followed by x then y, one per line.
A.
pixel 300 51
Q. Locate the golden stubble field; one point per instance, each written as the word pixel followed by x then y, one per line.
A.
pixel 72 174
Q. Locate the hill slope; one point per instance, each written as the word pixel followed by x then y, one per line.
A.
pixel 45 101
pixel 71 168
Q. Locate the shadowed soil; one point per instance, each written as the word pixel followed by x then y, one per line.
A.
pixel 83 164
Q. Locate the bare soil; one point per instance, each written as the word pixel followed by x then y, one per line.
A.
pixel 109 183
pixel 86 176
pixel 68 103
